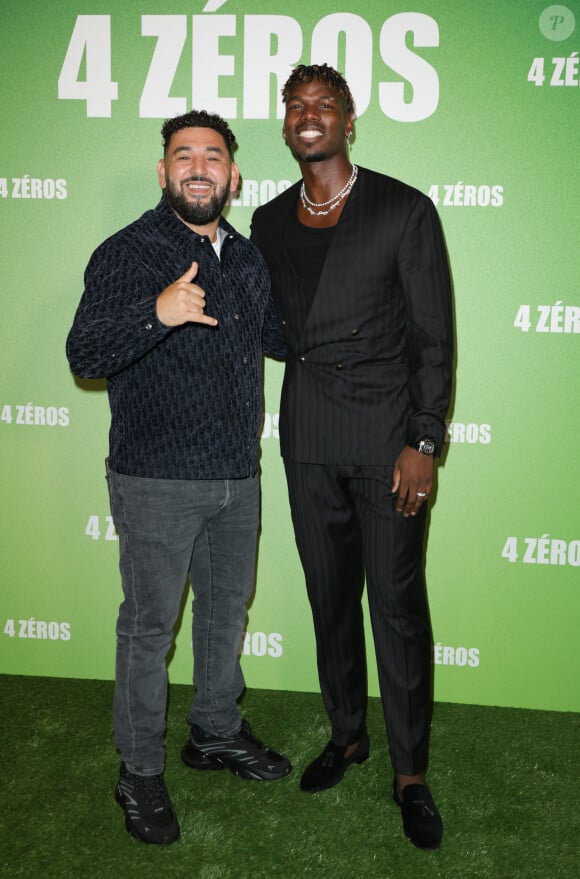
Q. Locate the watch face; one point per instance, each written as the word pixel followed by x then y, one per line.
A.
pixel 427 446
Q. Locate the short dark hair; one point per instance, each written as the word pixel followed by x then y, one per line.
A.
pixel 326 74
pixel 199 119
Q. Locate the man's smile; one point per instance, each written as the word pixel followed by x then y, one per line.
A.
pixel 310 134
pixel 197 187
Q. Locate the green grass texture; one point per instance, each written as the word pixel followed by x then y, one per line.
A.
pixel 506 782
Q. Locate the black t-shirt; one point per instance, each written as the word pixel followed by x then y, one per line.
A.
pixel 307 249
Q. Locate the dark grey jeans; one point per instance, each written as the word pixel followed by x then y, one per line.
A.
pixel 169 529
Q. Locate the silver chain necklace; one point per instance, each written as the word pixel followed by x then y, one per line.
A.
pixel 333 202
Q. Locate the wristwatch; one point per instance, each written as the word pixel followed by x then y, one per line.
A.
pixel 426 446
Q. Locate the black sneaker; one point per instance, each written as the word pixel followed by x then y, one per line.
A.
pixel 242 753
pixel 149 814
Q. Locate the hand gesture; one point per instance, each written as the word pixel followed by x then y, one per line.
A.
pixel 183 302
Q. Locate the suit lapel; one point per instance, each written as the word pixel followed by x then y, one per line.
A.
pixel 331 289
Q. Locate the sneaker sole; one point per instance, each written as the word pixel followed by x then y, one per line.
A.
pixel 196 759
pixel 249 774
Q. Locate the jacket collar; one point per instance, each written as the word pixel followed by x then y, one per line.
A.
pixel 172 227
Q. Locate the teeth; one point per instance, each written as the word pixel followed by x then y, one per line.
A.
pixel 311 133
pixel 198 188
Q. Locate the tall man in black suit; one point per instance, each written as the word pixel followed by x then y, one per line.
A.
pixel 361 283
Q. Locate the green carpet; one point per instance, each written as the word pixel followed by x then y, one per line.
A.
pixel 506 783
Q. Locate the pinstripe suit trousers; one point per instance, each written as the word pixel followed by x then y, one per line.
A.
pixel 346 526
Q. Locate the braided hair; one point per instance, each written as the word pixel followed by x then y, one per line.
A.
pixel 326 74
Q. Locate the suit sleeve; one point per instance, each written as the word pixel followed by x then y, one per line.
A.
pixel 256 227
pixel 273 341
pixel 425 279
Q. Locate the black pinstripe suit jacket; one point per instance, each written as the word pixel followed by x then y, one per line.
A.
pixel 372 367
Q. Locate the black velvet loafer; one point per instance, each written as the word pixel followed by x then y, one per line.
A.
pixel 421 820
pixel 329 768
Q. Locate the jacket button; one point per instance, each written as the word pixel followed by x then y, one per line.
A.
pixel 339 365
pixel 283 322
pixel 302 358
pixel 355 332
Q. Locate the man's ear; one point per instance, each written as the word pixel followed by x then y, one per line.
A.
pixel 161 173
pixel 235 181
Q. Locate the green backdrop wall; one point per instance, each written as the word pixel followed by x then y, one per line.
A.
pixel 474 103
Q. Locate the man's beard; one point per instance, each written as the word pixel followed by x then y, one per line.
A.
pixel 196 213
pixel 309 158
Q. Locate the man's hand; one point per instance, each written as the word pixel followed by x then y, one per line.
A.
pixel 183 302
pixel 413 480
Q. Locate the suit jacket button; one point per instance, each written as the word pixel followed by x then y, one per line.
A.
pixel 339 365
pixel 302 358
pixel 283 322
pixel 355 332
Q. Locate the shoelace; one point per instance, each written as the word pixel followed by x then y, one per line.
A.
pixel 153 790
pixel 246 732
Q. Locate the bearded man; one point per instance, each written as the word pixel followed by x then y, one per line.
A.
pixel 175 315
